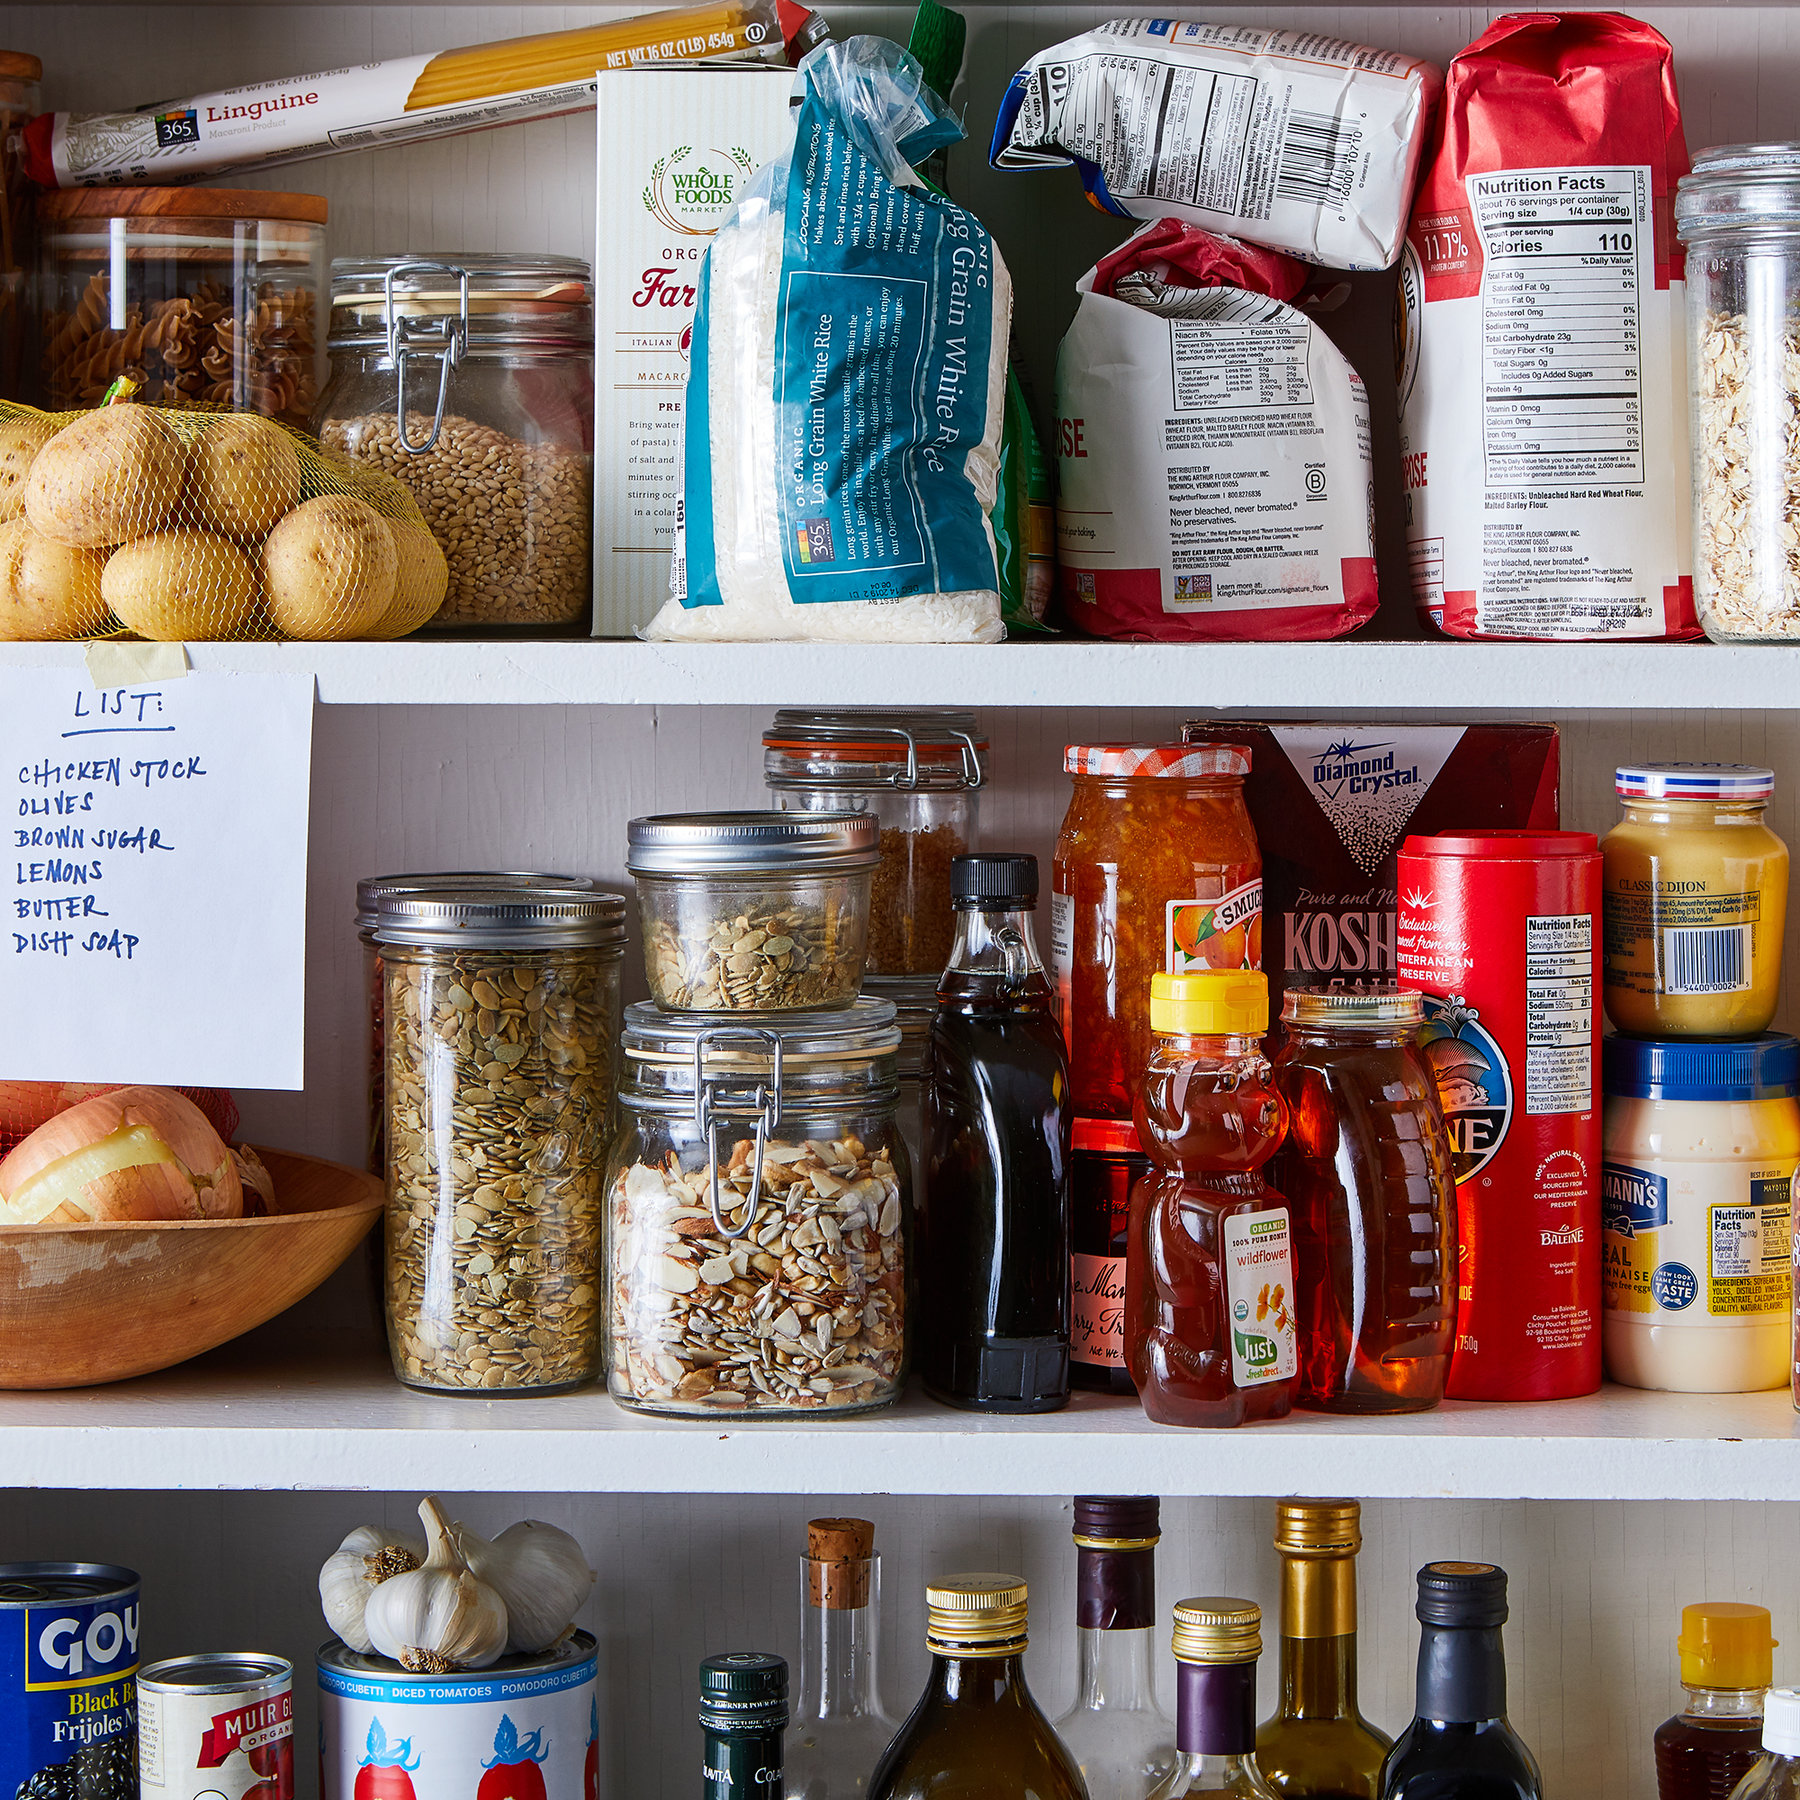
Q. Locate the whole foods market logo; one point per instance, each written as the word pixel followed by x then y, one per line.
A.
pixel 1474 1084
pixel 692 190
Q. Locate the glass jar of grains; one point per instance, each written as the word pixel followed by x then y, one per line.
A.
pixel 471 378
pixel 757 1215
pixel 920 774
pixel 501 1014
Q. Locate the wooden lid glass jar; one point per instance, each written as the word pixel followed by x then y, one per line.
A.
pixel 757 1219
pixel 501 1015
pixel 920 775
pixel 471 378
pixel 206 296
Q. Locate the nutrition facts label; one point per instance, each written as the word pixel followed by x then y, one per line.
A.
pixel 1240 365
pixel 1559 1013
pixel 1568 257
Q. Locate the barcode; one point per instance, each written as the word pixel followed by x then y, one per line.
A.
pixel 1706 959
pixel 1318 158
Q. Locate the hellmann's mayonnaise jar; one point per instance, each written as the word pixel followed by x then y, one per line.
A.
pixel 1696 900
pixel 1701 1140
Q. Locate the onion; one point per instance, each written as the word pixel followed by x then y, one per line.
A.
pixel 134 1153
pixel 24 1106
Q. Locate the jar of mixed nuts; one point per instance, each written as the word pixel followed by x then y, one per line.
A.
pixel 501 1014
pixel 919 774
pixel 757 1220
pixel 753 911
pixel 471 378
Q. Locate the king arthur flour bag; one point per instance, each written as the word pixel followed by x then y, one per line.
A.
pixel 847 389
pixel 1213 449
pixel 1542 345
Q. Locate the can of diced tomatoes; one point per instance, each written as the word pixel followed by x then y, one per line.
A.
pixel 1501 932
pixel 217 1726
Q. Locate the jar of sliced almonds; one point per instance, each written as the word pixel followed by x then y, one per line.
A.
pixel 501 1013
pixel 758 1215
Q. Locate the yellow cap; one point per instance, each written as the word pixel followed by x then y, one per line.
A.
pixel 975 1615
pixel 1215 1629
pixel 1211 1003
pixel 1318 1527
pixel 1726 1644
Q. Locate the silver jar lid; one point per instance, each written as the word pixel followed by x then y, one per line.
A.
pixel 862 747
pixel 373 889
pixel 497 302
pixel 726 843
pixel 736 1046
pixel 1739 187
pixel 521 920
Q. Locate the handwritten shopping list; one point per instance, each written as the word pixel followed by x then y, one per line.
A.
pixel 155 878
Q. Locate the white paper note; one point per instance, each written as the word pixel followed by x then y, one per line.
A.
pixel 155 887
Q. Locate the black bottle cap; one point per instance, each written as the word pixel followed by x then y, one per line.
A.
pixel 1108 1518
pixel 1462 1593
pixel 744 1691
pixel 994 881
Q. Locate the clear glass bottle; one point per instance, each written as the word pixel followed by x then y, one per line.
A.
pixel 976 1733
pixel 839 1727
pixel 1776 1775
pixel 1217 1642
pixel 743 1716
pixel 1117 1732
pixel 1318 1746
pixel 1707 1748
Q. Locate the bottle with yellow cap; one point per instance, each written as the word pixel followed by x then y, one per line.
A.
pixel 1209 1279
pixel 1217 1642
pixel 976 1730
pixel 1726 1666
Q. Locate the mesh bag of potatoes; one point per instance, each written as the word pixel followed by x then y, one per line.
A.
pixel 195 524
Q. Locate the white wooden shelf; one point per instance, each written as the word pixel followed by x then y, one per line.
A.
pixel 299 1417
pixel 1415 677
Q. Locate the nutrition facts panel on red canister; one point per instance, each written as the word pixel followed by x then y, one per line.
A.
pixel 1559 1013
pixel 1567 256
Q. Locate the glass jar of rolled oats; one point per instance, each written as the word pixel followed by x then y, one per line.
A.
pixel 501 1017
pixel 758 1215
pixel 1738 214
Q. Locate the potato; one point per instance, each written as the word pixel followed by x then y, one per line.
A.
pixel 419 586
pixel 112 475
pixel 329 569
pixel 181 584
pixel 20 441
pixel 47 590
pixel 243 474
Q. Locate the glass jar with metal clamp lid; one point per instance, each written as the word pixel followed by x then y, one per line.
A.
pixel 471 378
pixel 757 1220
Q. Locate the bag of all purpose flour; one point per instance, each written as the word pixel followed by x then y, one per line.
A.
pixel 847 388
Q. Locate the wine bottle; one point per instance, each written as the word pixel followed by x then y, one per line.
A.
pixel 743 1714
pixel 1120 1738
pixel 839 1729
pixel 1318 1746
pixel 1459 1745
pixel 976 1733
pixel 1217 1642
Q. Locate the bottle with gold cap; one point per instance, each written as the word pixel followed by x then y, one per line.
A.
pixel 1119 1735
pixel 1726 1666
pixel 1209 1279
pixel 976 1730
pixel 1217 1642
pixel 1318 1746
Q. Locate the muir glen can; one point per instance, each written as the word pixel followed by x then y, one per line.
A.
pixel 68 1681
pixel 219 1726
pixel 1501 932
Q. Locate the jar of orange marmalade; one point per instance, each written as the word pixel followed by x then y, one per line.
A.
pixel 1157 871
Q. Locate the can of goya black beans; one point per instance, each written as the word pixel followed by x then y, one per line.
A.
pixel 68 1681
pixel 218 1726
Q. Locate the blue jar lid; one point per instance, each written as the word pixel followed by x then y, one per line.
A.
pixel 1766 1067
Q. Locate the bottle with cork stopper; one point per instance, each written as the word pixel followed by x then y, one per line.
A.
pixel 839 1728
pixel 1217 1642
pixel 1707 1748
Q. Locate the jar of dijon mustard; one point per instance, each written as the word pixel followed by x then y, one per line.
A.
pixel 1696 901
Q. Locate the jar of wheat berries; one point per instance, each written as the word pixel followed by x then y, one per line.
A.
pixel 501 1016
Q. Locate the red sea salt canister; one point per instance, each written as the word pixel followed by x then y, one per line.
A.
pixel 1501 932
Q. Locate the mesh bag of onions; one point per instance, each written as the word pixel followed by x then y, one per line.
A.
pixel 196 524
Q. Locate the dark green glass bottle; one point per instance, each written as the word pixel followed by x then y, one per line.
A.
pixel 744 1715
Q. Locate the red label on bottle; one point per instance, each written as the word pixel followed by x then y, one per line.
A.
pixel 1097 1323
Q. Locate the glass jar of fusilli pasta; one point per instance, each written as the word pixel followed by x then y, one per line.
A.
pixel 205 296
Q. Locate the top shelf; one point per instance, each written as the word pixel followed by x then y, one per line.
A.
pixel 1365 676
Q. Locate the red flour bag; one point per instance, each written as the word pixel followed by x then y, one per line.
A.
pixel 1212 446
pixel 1543 352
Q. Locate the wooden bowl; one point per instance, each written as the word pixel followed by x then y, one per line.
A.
pixel 81 1304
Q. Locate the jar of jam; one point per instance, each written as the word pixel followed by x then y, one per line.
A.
pixel 1157 872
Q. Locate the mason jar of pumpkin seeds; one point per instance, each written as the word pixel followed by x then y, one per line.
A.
pixel 501 1018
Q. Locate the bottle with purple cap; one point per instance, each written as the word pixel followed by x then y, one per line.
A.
pixel 1217 1642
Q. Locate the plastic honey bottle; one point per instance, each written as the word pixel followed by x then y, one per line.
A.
pixel 1708 1747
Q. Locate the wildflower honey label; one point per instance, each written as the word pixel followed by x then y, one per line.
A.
pixel 1259 1293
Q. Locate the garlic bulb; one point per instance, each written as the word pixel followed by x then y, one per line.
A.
pixel 353 1571
pixel 438 1618
pixel 540 1572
